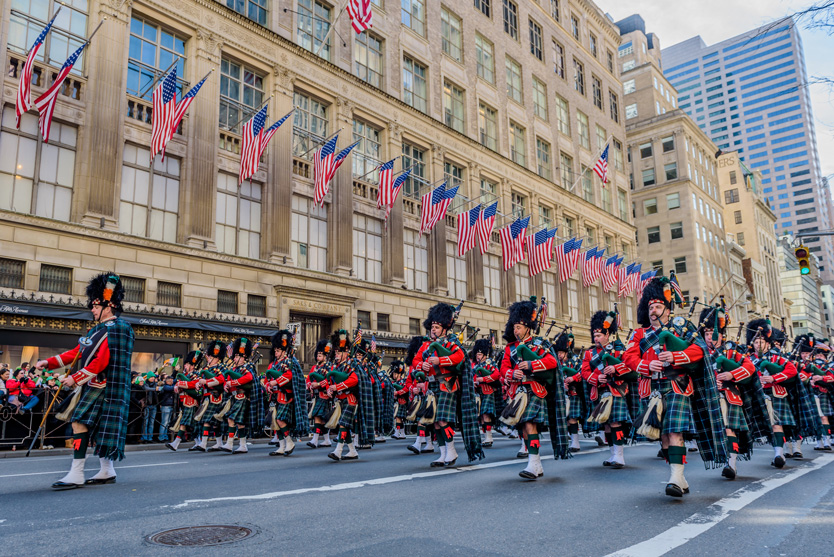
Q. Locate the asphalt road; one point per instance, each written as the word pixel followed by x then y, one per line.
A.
pixel 391 502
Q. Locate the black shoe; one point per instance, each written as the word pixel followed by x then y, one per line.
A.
pixel 94 481
pixel 413 449
pixel 528 475
pixel 276 453
pixel 334 456
pixel 788 455
pixel 450 463
pixel 797 456
pixel 607 463
pixel 435 464
pixel 426 451
pixel 778 462
pixel 520 454
pixel 310 444
pixel 600 441
pixel 289 452
pixel 728 472
pixel 197 448
pixel 486 444
pixel 348 457
pixel 617 465
pixel 575 449
pixel 62 486
pixel 660 454
pixel 170 446
pixel 674 490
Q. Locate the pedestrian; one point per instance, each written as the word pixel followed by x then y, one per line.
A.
pixel 5 374
pixel 150 407
pixel 166 407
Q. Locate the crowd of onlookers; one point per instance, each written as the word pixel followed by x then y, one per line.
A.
pixel 154 396
pixel 24 387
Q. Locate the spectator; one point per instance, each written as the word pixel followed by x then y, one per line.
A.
pixel 166 407
pixel 5 374
pixel 20 391
pixel 150 406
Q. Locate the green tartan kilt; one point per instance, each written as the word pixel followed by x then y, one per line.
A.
pixel 735 418
pixel 402 411
pixel 575 410
pixel 782 411
pixel 237 413
pixel 677 411
pixel 188 416
pixel 825 404
pixel 212 409
pixel 321 408
pixel 89 406
pixel 619 411
pixel 488 404
pixel 633 400
pixel 536 411
pixel 446 407
pixel 285 412
pixel 348 416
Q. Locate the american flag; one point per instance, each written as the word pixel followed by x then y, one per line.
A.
pixel 624 279
pixel 373 343
pixel 340 158
pixel 397 187
pixel 673 280
pixel 600 262
pixel 589 268
pixel 46 102
pixel 509 236
pixel 540 250
pixel 486 222
pixel 434 206
pixel 24 88
pixel 565 259
pixel 601 167
pixel 164 111
pixel 250 149
pixel 358 337
pixel 361 15
pixel 182 108
pixel 644 280
pixel 467 225
pixel 609 273
pixel 270 131
pixel 385 197
pixel 575 255
pixel 543 308
pixel 634 278
pixel 322 161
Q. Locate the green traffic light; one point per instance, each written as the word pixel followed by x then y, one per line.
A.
pixel 805 271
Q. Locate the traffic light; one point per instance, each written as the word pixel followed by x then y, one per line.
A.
pixel 803 259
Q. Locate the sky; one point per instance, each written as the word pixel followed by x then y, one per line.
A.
pixel 674 21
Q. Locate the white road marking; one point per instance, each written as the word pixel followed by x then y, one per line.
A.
pixel 93 469
pixel 375 481
pixel 700 522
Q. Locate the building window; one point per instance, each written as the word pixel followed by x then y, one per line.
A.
pixel 680 265
pixel 737 216
pixel 618 155
pixel 485 6
pixel 570 226
pixel 648 177
pixel 654 234
pixel 367 55
pixel 309 124
pixel 731 196
pixel 152 51
pixel 733 179
pixel 414 15
pixel 308 229
pixel 573 299
pixel 673 201
pixel 545 215
pixel 489 191
pixel 610 61
pixel 35 177
pixel 671 170
pixel 238 228
pixel 622 204
pixel 566 167
pixel 602 138
pixel 241 94
pixel 650 206
pixel 414 326
pixel 668 144
pixel 485 58
pixel 592 44
pixel 253 9
pixel 536 44
pixel 519 205
pixel 367 249
pixel 514 81
pixel 645 150
pixel 606 200
pixel 574 27
pixel 12 273
pixel 554 10
pixel 492 279
pixel 453 174
pixel 518 149
pixel 543 159
pixel 584 130
pixel 487 126
pixel 631 111
pixel 539 99
pixel 559 59
pixel 414 84
pixel 383 322
pixel 596 89
pixel 168 294
pixel 414 158
pixel 255 305
pixel 313 25
pixel 455 272
pixel 365 156
pixel 453 106
pixel 676 230
pixel 578 76
pixel 563 115
pixel 629 65
pixel 149 201
pixel 614 106
pixel 451 30
pixel 416 261
pixel 587 184
pixel 522 282
pixel 69 32
pixel 364 318
pixel 629 87
pixel 226 301
pixel 510 18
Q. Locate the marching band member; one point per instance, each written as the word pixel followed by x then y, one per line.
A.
pixel 487 377
pixel 323 404
pixel 213 380
pixel 418 386
pixel 188 387
pixel 245 389
pixel 287 380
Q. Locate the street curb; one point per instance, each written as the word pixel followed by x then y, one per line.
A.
pixel 62 451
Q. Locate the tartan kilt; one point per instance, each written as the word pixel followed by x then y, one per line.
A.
pixel 782 411
pixel 89 407
pixel 188 412
pixel 212 409
pixel 488 404
pixel 677 410
pixel 575 410
pixel 348 416
pixel 633 400
pixel 619 411
pixel 735 418
pixel 825 404
pixel 446 407
pixel 285 412
pixel 536 411
pixel 237 413
pixel 321 408
pixel 402 411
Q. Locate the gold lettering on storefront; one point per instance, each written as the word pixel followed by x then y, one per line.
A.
pixel 317 306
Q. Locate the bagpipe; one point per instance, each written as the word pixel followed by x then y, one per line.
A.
pixel 423 407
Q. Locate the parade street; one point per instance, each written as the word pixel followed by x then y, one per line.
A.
pixel 390 503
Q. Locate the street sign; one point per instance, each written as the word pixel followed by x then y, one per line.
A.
pixel 295 329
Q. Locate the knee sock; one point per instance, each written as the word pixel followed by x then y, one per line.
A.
pixel 677 455
pixel 231 431
pixel 732 444
pixel 180 434
pixel 609 437
pixel 532 443
pixel 206 434
pixel 618 435
pixel 448 434
pixel 421 431
pixel 778 440
pixel 665 454
pixel 79 444
pixel 488 426
pixel 441 438
pixel 573 428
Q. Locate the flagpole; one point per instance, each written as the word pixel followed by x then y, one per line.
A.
pixel 327 35
pixel 596 158
pixel 157 78
pixel 380 166
pixel 256 111
pixel 319 143
pixel 50 19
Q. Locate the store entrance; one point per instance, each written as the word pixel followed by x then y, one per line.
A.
pixel 313 328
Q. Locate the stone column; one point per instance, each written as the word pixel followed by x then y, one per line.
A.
pixel 340 214
pixel 438 272
pixel 474 259
pixel 393 246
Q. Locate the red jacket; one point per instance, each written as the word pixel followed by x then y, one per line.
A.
pixel 639 362
pixel 547 362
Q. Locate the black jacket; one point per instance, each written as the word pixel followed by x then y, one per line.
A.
pixel 151 396
pixel 167 395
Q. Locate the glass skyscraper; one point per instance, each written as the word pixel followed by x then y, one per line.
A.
pixel 749 94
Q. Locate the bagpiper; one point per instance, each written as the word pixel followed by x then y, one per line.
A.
pixel 246 410
pixel 487 382
pixel 322 402
pixel 396 372
pixel 188 386
pixel 103 377
pixel 418 387
pixel 822 382
pixel 577 410
pixel 608 377
pixel 286 378
pixel 670 358
pixel 212 382
pixel 800 396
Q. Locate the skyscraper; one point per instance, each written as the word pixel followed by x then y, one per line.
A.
pixel 749 94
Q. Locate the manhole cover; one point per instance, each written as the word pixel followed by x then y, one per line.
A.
pixel 201 535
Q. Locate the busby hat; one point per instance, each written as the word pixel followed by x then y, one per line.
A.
pixel 413 346
pixel 604 322
pixel 340 341
pixel 777 337
pixel 323 346
pixel 804 343
pixel 520 312
pixel 564 342
pixel 242 347
pixel 195 358
pixel 657 290
pixel 441 313
pixel 363 348
pixel 483 346
pixel 105 288
pixel 754 326
pixel 282 340
pixel 215 349
pixel 713 318
pixel 397 366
